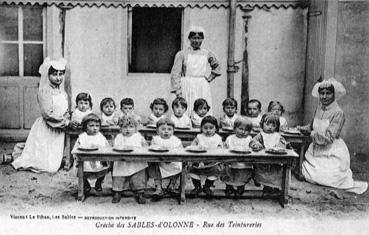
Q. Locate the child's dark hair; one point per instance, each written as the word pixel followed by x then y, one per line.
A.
pixel 179 101
pixel 275 103
pixel 243 121
pixel 255 101
pixel 91 117
pixel 85 97
pixel 127 120
pixel 126 101
pixel 105 101
pixel 209 119
pixel 53 70
pixel 159 101
pixel 164 121
pixel 270 118
pixel 230 102
pixel 200 103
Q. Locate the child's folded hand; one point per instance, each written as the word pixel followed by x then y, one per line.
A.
pixel 257 147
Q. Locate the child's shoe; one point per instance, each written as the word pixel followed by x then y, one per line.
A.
pixel 197 190
pixel 116 197
pixel 206 189
pixel 99 181
pixel 229 190
pixel 140 198
pixel 240 190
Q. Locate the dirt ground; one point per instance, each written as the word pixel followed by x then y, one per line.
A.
pixel 311 209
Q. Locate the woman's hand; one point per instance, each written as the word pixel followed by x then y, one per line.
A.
pixel 73 124
pixel 210 78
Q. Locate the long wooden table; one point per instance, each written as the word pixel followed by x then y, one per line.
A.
pixel 187 135
pixel 181 155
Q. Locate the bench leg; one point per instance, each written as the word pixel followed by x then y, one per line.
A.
pixel 285 184
pixel 183 184
pixel 81 195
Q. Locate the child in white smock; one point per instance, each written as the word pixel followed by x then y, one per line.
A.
pixel 200 108
pixel 127 106
pixel 208 139
pixel 179 116
pixel 126 174
pixel 92 138
pixel 83 107
pixel 165 170
pixel 277 108
pixel 268 175
pixel 254 113
pixel 238 173
pixel 158 108
pixel 230 113
pixel 109 115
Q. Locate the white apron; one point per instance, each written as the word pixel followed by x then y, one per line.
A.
pixel 123 168
pixel 86 141
pixel 44 147
pixel 194 85
pixel 329 165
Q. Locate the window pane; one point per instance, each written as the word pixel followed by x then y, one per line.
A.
pixel 33 57
pixel 9 60
pixel 8 23
pixel 156 38
pixel 32 23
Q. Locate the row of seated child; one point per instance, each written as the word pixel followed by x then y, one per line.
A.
pixel 159 108
pixel 133 175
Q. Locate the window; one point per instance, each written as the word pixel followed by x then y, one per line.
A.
pixel 155 39
pixel 21 40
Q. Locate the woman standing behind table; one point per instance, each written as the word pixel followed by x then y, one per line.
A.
pixel 189 72
pixel 327 160
pixel 44 147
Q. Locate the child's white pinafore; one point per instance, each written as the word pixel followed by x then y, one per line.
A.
pixel 194 84
pixel 182 122
pixel 124 168
pixel 172 168
pixel 86 141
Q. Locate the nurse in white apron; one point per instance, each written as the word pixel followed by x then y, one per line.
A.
pixel 43 151
pixel 189 76
pixel 327 160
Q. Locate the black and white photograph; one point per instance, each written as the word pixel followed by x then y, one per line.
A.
pixel 184 116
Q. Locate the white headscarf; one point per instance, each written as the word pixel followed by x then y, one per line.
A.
pixel 195 29
pixel 44 70
pixel 339 89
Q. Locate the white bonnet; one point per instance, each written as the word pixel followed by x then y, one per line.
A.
pixel 196 29
pixel 339 89
pixel 57 64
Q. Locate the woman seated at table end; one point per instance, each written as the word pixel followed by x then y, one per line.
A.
pixel 327 160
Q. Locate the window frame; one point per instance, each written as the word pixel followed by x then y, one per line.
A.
pixel 20 42
pixel 129 43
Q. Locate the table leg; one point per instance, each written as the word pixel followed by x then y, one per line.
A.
pixel 285 184
pixel 183 184
pixel 81 195
pixel 67 150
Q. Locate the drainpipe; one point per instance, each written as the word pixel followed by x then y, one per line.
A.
pixel 231 68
